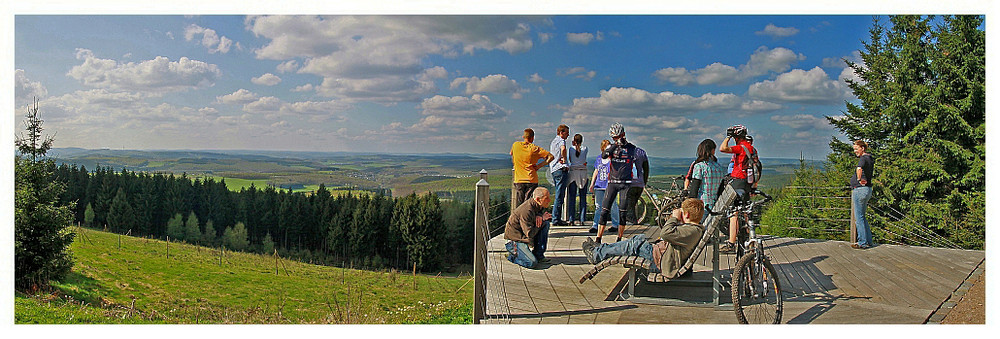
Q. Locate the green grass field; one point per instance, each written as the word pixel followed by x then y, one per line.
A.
pixel 140 284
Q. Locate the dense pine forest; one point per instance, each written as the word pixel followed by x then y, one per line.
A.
pixel 363 229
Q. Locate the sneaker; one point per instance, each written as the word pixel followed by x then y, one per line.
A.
pixel 588 250
pixel 613 229
pixel 727 247
pixel 544 260
pixel 559 223
pixel 593 230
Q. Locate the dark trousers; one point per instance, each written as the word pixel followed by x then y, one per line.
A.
pixel 634 194
pixel 523 192
pixel 613 191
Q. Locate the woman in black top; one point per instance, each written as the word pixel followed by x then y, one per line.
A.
pixel 861 192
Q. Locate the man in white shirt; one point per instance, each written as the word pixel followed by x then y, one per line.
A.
pixel 560 173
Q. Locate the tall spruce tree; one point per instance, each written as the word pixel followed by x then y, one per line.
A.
pixel 41 236
pixel 922 113
pixel 175 227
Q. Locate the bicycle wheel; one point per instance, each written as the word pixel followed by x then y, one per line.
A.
pixel 641 210
pixel 756 291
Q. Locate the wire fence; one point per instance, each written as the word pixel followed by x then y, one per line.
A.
pixel 825 206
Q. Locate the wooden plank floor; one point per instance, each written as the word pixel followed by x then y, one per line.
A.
pixel 823 281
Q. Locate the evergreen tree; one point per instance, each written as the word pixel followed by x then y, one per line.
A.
pixel 210 236
pixel 192 233
pixel 41 237
pixel 121 216
pixel 267 245
pixel 175 227
pixel 88 215
pixel 235 238
pixel 191 223
pixel 922 113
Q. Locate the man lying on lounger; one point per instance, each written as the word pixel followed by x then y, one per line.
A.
pixel 677 240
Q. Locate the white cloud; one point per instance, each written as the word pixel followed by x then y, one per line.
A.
pixel 288 66
pixel 240 97
pixel 382 58
pixel 436 72
pixel 813 86
pixel 676 75
pixel 458 115
pixel 544 37
pixel 584 38
pixel 266 79
pixel 303 88
pixel 618 101
pixel 778 32
pixel 264 105
pixel 209 38
pixel 802 122
pixel 759 106
pixel 577 72
pixel 274 108
pixel 157 75
pixel 495 83
pixel 26 90
pixel 762 61
pixel 535 78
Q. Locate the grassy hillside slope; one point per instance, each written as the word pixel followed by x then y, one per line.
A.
pixel 140 284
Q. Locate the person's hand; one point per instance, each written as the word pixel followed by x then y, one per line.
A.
pixel 538 221
pixel 547 216
pixel 591 189
pixel 676 213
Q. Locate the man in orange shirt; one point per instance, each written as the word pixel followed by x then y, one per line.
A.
pixel 525 155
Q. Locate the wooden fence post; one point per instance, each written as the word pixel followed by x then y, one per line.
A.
pixel 481 233
pixel 168 247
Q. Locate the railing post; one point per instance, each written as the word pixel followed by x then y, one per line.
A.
pixel 481 233
pixel 513 191
pixel 854 225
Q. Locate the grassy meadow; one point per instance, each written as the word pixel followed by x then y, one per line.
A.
pixel 139 283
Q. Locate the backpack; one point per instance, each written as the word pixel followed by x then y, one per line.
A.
pixel 751 165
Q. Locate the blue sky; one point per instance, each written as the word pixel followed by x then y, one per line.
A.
pixel 430 84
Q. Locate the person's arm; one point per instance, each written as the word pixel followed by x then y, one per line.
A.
pixel 593 180
pixel 724 148
pixel 562 152
pixel 609 151
pixel 645 170
pixel 546 156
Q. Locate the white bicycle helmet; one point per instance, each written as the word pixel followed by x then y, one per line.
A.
pixel 616 130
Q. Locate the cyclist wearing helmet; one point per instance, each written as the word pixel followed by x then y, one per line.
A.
pixel 622 155
pixel 739 177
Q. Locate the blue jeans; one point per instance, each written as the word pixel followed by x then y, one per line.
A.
pixel 559 182
pixel 520 254
pixel 860 197
pixel 541 241
pixel 572 192
pixel 598 199
pixel 636 245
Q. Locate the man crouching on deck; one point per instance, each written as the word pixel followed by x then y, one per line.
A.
pixel 527 227
pixel 669 252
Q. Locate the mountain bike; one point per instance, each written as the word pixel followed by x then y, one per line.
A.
pixel 661 202
pixel 756 289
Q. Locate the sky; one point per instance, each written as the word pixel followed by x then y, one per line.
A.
pixel 432 84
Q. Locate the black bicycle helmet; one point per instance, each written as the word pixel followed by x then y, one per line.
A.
pixel 738 131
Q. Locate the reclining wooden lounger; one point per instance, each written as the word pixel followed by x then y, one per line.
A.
pixel 634 263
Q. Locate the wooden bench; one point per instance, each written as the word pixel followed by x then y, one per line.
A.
pixel 640 265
